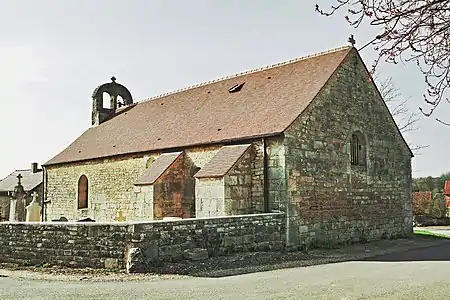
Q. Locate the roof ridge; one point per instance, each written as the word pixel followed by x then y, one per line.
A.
pixel 263 68
pixel 18 170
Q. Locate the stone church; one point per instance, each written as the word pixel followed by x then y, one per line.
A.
pixel 311 137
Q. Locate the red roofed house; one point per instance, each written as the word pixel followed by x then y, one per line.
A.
pixel 311 137
pixel 447 193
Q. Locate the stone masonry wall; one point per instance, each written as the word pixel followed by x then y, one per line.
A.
pixel 174 191
pixel 111 187
pixel 329 200
pixel 257 174
pixel 209 197
pixel 105 245
pixel 200 156
pixel 238 186
pixel 276 174
pixel 144 202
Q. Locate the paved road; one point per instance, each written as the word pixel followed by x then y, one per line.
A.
pixel 399 276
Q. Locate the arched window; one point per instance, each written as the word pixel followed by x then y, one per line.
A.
pixel 357 149
pixel 106 100
pixel 82 192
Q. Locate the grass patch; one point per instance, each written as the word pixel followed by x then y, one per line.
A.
pixel 426 233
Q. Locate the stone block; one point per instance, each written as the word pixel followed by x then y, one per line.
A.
pixel 232 180
pixel 196 254
pixel 136 262
pixel 263 246
pixel 111 263
pixel 318 144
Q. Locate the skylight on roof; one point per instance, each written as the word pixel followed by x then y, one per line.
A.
pixel 236 88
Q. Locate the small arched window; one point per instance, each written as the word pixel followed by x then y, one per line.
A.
pixel 82 192
pixel 357 149
pixel 106 100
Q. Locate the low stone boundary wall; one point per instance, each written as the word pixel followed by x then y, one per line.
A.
pixel 423 221
pixel 107 245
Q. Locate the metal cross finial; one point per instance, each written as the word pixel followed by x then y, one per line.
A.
pixel 113 79
pixel 351 40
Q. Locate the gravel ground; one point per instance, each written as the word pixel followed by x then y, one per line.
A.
pixel 225 265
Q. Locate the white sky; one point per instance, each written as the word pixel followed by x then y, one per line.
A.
pixel 53 54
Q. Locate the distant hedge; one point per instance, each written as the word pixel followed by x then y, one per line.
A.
pixel 429 204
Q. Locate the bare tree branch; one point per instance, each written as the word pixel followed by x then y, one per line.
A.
pixel 415 31
pixel 406 120
pixel 440 121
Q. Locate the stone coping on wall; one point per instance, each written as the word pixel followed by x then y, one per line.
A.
pixel 119 244
pixel 126 223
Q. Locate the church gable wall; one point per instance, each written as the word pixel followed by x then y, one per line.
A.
pixel 330 199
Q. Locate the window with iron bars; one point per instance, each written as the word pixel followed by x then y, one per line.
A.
pixel 357 150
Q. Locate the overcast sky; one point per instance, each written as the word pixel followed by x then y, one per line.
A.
pixel 54 53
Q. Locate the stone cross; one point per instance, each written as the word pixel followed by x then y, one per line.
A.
pixel 17 204
pixel 351 40
pixel 120 217
pixel 19 177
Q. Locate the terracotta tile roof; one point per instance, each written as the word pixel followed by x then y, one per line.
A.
pixel 157 168
pixel 269 101
pixel 29 180
pixel 222 162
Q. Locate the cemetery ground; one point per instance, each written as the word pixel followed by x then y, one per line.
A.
pixel 244 263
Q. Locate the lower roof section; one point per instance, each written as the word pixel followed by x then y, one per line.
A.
pixel 157 168
pixel 223 161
